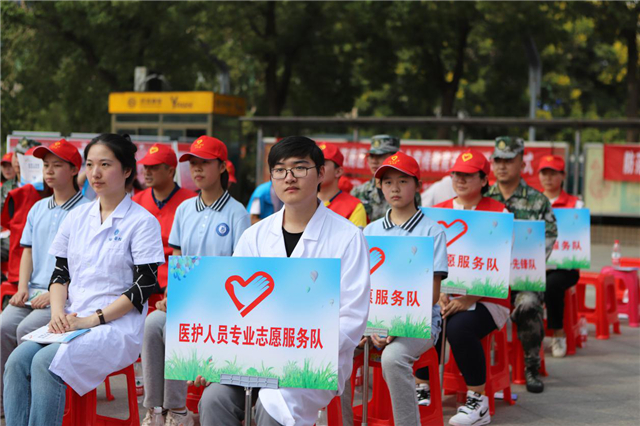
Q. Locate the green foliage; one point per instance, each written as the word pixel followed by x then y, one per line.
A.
pixel 528 285
pixel 377 324
pixel 61 59
pixel 178 367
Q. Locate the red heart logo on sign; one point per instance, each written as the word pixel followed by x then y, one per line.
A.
pixel 261 279
pixel 465 228
pixel 380 262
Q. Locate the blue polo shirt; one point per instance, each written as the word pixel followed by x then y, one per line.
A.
pixel 43 222
pixel 201 230
pixel 418 226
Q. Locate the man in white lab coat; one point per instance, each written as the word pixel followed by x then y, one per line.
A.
pixel 304 228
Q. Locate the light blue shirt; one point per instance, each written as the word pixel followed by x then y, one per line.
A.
pixel 43 222
pixel 418 226
pixel 201 230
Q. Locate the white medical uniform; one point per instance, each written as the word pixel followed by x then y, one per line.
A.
pixel 327 235
pixel 101 257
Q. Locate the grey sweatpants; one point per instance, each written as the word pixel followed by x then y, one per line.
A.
pixel 224 405
pixel 158 392
pixel 397 369
pixel 15 323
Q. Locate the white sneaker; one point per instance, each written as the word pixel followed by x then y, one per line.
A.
pixel 148 418
pixel 175 419
pixel 475 412
pixel 559 347
pixel 423 392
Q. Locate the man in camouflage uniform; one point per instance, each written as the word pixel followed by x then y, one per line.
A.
pixel 370 193
pixel 525 203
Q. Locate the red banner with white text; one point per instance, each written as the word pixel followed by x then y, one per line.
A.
pixel 622 163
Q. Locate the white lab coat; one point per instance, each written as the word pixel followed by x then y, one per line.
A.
pixel 327 235
pixel 101 257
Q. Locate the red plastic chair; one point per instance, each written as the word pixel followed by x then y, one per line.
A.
pixel 606 310
pixel 153 299
pixel 630 262
pixel 516 359
pixel 334 412
pixel 7 289
pixel 380 412
pixel 81 410
pixel 626 282
pixel 497 374
pixel 571 322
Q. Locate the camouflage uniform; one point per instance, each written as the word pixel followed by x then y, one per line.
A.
pixel 368 193
pixel 526 203
pixel 373 200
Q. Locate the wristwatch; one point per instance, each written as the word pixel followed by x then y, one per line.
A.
pixel 100 316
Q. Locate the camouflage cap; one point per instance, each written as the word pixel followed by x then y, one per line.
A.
pixel 25 145
pixel 507 147
pixel 384 144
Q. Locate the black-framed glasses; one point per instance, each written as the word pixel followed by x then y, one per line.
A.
pixel 297 172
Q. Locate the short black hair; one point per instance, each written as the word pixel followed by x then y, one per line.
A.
pixel 485 188
pixel 296 146
pixel 122 147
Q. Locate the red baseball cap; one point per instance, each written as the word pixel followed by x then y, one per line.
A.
pixel 232 172
pixel 207 148
pixel 160 153
pixel 331 152
pixel 554 162
pixel 62 149
pixel 7 157
pixel 471 161
pixel 402 162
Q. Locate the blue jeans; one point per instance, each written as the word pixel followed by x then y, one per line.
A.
pixel 33 396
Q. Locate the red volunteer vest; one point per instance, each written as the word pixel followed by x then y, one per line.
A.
pixel 23 199
pixel 165 216
pixel 488 205
pixel 344 204
pixel 565 201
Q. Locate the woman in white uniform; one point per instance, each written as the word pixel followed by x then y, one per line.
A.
pixel 107 254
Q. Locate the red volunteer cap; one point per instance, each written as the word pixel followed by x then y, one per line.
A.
pixel 232 172
pixel 7 157
pixel 331 152
pixel 554 162
pixel 160 153
pixel 207 148
pixel 402 162
pixel 471 161
pixel 62 149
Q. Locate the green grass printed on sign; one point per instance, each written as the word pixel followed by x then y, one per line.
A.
pixel 525 284
pixel 571 263
pixel 488 288
pixel 179 367
pixel 407 327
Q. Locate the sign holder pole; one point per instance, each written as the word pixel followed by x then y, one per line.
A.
pixel 365 371
pixel 443 351
pixel 248 383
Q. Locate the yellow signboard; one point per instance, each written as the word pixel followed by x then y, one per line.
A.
pixel 175 103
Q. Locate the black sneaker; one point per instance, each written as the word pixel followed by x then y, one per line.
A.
pixel 424 394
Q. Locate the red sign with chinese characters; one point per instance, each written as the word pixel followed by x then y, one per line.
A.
pixel 622 163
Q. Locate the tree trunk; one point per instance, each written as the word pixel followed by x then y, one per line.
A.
pixel 449 89
pixel 632 82
pixel 271 58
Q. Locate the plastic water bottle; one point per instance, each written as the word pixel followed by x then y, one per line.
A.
pixel 615 253
pixel 583 330
pixel 157 419
pixel 137 368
